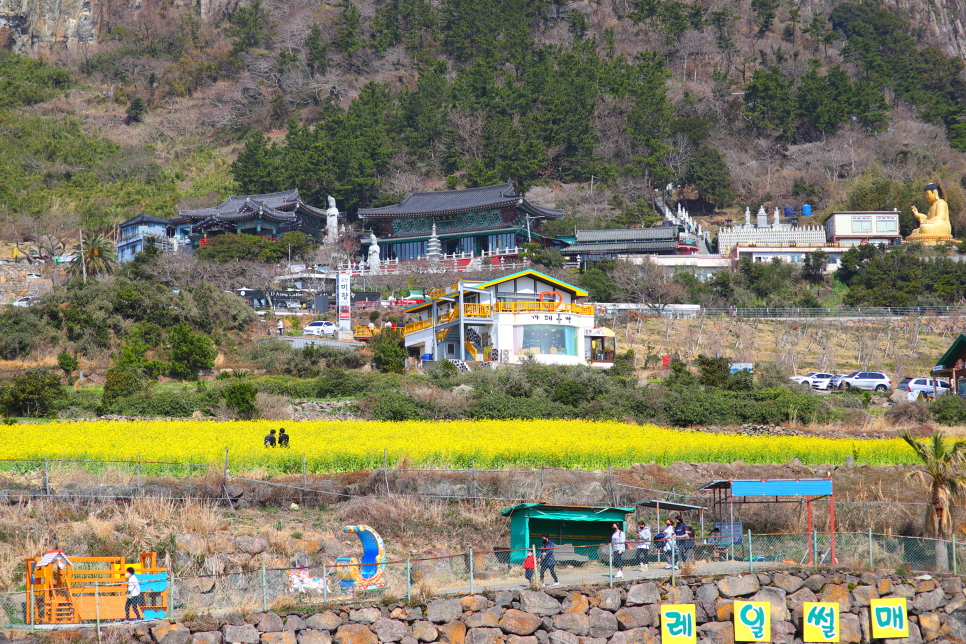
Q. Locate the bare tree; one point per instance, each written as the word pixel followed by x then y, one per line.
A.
pixel 647 283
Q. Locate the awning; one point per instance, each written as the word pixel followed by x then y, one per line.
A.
pixel 600 332
pixel 669 505
pixel 566 512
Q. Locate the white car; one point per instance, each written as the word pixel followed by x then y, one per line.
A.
pixel 929 387
pixel 34 276
pixel 26 301
pixel 320 327
pixel 815 380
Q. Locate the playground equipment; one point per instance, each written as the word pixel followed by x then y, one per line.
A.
pixel 71 590
pixel 367 574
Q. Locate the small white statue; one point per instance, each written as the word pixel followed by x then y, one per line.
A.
pixel 373 262
pixel 331 221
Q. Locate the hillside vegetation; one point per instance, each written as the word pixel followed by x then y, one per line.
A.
pixel 743 102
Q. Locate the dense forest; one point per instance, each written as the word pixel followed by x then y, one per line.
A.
pixel 740 103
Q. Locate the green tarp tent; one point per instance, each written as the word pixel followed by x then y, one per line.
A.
pixel 566 524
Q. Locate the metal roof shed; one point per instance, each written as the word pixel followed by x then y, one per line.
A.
pixel 566 524
pixel 725 491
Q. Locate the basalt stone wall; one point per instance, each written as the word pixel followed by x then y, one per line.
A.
pixel 626 614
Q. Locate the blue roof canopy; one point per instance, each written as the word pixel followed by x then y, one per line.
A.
pixel 774 487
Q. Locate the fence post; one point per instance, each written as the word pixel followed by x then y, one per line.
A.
pixel 97 609
pixel 815 547
pixel 871 558
pixel 31 605
pixel 610 565
pixel 385 471
pixel 473 465
pixel 751 557
pixel 409 581
pixel 46 477
pixel 264 590
pixel 471 571
pixel 139 475
pixel 955 566
pixel 674 562
pixel 325 584
pixel 302 491
pixel 534 550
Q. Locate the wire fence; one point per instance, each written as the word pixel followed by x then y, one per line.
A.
pixel 419 579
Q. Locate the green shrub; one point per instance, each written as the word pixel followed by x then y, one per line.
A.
pixel 396 406
pixel 240 397
pixel 389 351
pixel 122 381
pixel 190 352
pixel 502 407
pixel 31 393
pixel 949 410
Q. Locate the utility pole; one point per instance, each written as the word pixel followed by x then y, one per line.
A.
pixel 80 232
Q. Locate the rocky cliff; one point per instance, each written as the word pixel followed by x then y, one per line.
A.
pixel 48 25
pixel 39 26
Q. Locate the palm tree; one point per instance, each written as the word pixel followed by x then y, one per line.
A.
pixel 99 256
pixel 943 462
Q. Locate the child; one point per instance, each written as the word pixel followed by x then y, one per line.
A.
pixel 528 565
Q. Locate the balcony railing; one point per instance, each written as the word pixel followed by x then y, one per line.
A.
pixel 412 327
pixel 476 310
pixel 549 307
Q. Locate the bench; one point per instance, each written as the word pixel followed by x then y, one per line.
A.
pixel 565 555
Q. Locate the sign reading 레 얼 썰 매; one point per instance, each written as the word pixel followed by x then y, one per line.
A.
pixel 344 302
pixel 888 617
pixel 752 622
pixel 678 624
pixel 821 621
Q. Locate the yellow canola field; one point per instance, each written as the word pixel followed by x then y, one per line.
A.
pixel 351 445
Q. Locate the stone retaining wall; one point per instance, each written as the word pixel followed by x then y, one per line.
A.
pixel 627 614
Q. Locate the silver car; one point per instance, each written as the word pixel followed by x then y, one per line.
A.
pixel 815 380
pixel 869 380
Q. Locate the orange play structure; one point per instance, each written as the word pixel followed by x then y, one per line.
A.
pixel 70 590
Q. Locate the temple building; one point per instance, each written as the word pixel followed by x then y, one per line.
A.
pixel 628 243
pixel 269 216
pixel 473 222
pixel 763 233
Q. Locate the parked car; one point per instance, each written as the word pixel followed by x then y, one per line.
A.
pixel 929 387
pixel 26 301
pixel 34 276
pixel 815 380
pixel 320 327
pixel 870 380
pixel 836 381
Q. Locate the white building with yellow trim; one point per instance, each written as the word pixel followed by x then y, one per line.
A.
pixel 526 314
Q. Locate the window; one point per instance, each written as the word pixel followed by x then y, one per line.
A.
pixel 861 224
pixel 545 339
pixel 505 240
pixel 885 224
pixel 406 251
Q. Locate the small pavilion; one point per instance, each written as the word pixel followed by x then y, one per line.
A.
pixel 574 525
pixel 952 365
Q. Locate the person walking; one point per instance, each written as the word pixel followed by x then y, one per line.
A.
pixel 643 545
pixel 528 566
pixel 669 543
pixel 618 541
pixel 681 535
pixel 282 438
pixel 270 439
pixel 133 595
pixel 548 561
pixel 280 326
pixel 688 546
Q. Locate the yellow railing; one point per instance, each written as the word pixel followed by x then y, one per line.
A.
pixel 449 316
pixel 476 310
pixel 365 332
pixel 550 307
pixel 412 327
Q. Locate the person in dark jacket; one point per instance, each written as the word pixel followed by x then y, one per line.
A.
pixel 270 439
pixel 282 438
pixel 681 535
pixel 548 561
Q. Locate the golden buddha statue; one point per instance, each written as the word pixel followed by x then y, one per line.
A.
pixel 934 227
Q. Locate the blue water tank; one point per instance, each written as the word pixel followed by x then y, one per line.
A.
pixel 427 357
pixel 806 211
pixel 789 212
